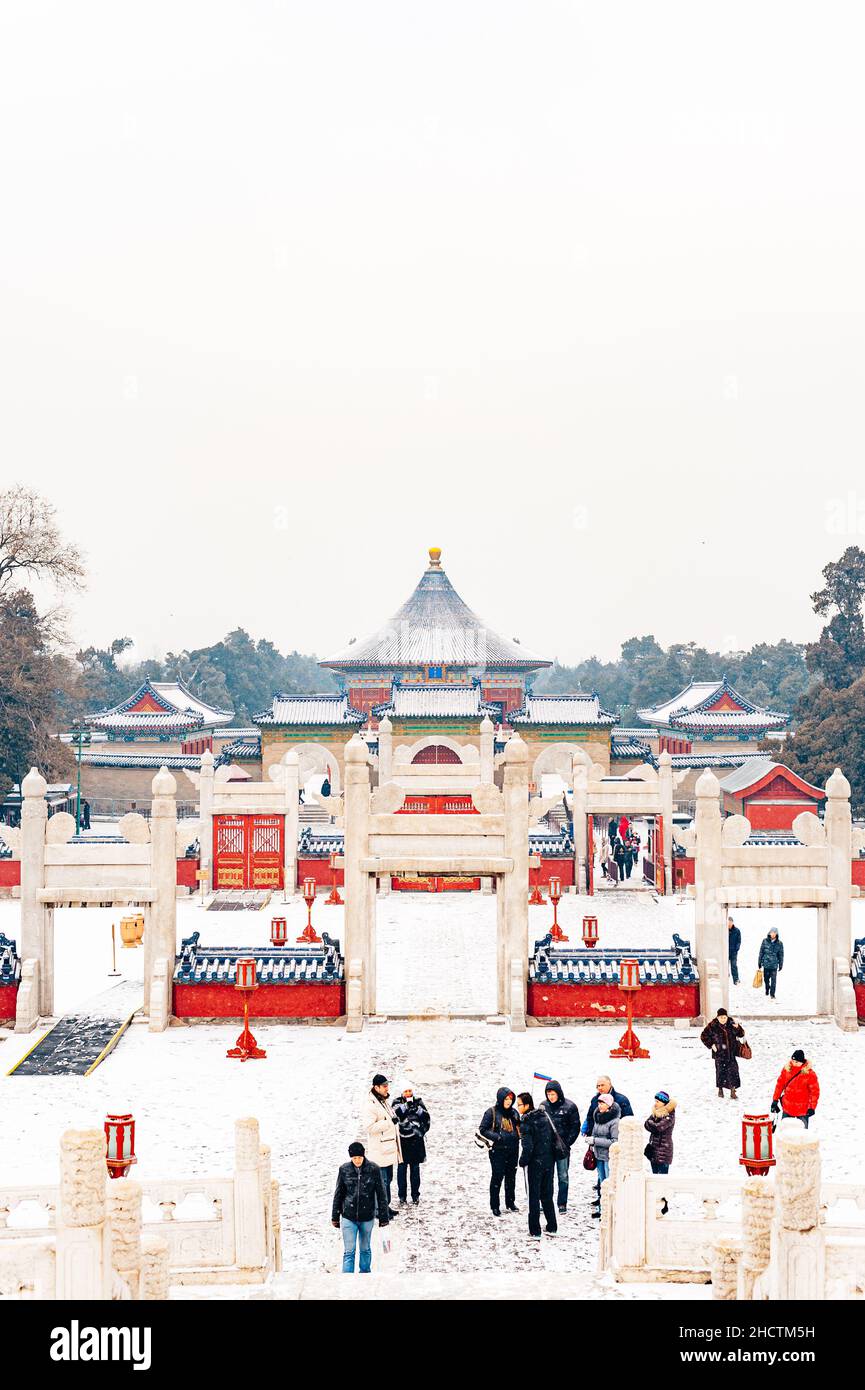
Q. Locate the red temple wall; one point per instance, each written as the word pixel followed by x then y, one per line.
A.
pixel 606 1002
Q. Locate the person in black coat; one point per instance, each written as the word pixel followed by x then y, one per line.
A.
pixel 722 1037
pixel 603 1086
pixel 538 1156
pixel 500 1126
pixel 771 960
pixel 414 1121
pixel 734 942
pixel 566 1118
pixel 358 1198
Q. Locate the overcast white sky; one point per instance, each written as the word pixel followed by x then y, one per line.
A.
pixel 291 291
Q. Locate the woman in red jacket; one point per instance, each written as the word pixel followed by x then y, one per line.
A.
pixel 797 1090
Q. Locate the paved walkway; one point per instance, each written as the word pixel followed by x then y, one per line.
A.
pixel 79 1041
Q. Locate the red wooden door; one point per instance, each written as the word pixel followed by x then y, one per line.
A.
pixel 265 854
pixel 229 851
pixel 248 851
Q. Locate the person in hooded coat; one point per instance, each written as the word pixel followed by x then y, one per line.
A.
pixel 500 1125
pixel 797 1090
pixel 566 1119
pixel 414 1121
pixel 659 1149
pixel 605 1132
pixel 771 960
pixel 538 1157
pixel 721 1036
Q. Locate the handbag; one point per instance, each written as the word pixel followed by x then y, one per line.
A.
pixel 744 1050
pixel 590 1162
pixel 648 1151
pixel 481 1139
pixel 757 982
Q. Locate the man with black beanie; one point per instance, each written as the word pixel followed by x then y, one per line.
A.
pixel 358 1198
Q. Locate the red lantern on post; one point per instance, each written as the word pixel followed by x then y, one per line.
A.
pixel 756 1156
pixel 590 930
pixel 245 981
pixel 536 897
pixel 119 1144
pixel 278 931
pixel 308 934
pixel 333 900
pixel 555 893
pixel 629 982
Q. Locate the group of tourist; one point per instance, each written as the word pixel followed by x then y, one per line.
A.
pixel 770 959
pixel 515 1133
pixel 619 850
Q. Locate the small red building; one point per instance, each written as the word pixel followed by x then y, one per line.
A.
pixel 769 794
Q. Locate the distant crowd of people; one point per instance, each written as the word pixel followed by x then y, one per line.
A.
pixel 619 850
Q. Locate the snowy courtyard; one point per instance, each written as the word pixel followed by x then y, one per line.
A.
pixel 435 956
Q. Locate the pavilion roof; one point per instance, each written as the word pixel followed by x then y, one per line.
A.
pixel 711 705
pixel 434 627
pixel 762 769
pixel 161 706
pixel 310 709
pixel 581 708
pixel 436 702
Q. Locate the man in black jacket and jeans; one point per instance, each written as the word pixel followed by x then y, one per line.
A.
pixel 538 1157
pixel 359 1196
pixel 500 1127
pixel 566 1119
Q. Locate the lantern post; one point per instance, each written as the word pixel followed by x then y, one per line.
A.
pixel 308 934
pixel 245 981
pixel 629 982
pixel 536 897
pixel 590 930
pixel 278 931
pixel 757 1156
pixel 333 899
pixel 555 894
pixel 119 1144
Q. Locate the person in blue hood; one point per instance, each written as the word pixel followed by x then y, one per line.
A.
pixel 500 1126
pixel 566 1121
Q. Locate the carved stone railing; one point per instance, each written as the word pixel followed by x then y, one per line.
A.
pixel 217 1230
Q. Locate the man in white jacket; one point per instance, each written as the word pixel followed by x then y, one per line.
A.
pixel 382 1132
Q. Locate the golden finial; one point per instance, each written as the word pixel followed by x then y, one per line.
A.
pixel 435 556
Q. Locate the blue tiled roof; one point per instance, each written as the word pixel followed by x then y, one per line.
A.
pixel 582 966
pixel 10 964
pixel 274 965
pixel 551 845
pixel 315 843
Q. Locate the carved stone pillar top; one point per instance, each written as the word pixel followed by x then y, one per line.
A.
pixel 83 1176
pixel 632 1141
pixel 758 1207
pixel 246 1144
pixel 797 1178
pixel 124 1216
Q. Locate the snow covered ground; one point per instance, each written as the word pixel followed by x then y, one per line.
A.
pixel 435 952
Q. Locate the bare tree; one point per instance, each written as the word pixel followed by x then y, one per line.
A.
pixel 31 541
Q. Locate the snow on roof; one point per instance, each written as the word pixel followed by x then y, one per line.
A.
pixel 756 769
pixel 731 759
pixel 167 704
pixel 310 709
pixel 436 702
pixel 690 709
pixel 434 627
pixel 562 709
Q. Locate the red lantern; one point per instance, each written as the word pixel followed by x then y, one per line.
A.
pixel 119 1144
pixel 536 897
pixel 278 931
pixel 555 894
pixel 308 934
pixel 245 981
pixel 756 1156
pixel 590 931
pixel 333 900
pixel 629 982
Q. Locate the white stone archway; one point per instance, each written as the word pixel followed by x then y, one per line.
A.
pixel 645 792
pixel 493 843
pixel 405 753
pixel 313 758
